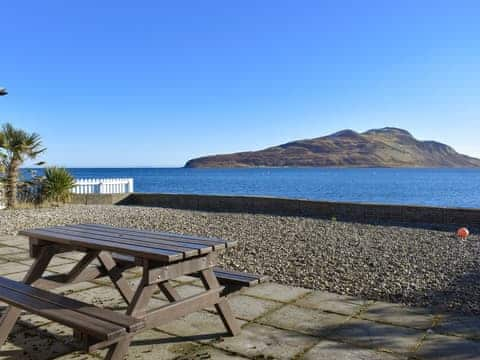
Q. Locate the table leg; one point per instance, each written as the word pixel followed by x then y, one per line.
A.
pixel 143 294
pixel 11 315
pixel 169 291
pixel 116 276
pixel 119 350
pixel 210 281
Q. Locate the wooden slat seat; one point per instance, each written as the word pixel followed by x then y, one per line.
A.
pixel 101 324
pixel 157 246
pixel 230 277
pixel 237 279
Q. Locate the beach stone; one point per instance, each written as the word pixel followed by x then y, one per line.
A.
pixel 328 350
pixel 274 291
pixel 378 336
pixel 397 314
pixel 441 347
pixel 257 340
pixel 307 321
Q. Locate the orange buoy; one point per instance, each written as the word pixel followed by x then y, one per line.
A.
pixel 463 233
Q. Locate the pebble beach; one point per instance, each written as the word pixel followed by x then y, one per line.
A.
pixel 415 266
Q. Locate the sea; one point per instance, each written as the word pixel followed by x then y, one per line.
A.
pixel 435 187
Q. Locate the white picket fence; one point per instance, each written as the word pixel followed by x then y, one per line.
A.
pixel 103 186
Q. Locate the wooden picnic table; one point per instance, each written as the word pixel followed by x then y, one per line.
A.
pixel 162 256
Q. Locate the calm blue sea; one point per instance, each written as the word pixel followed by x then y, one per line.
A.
pixel 442 187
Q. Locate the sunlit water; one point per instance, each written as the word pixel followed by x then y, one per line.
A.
pixel 441 187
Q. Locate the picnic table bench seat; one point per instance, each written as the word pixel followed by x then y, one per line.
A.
pixel 234 280
pixel 101 324
pixel 110 251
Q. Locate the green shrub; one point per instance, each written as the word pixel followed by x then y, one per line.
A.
pixel 57 185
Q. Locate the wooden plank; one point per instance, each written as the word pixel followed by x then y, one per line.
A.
pixel 116 276
pixel 172 271
pixel 185 252
pixel 81 266
pixel 153 238
pixel 210 282
pixel 154 254
pixel 124 321
pixel 94 327
pixel 228 277
pixel 182 307
pixel 175 246
pixel 217 243
pixel 11 315
pixel 169 291
pixel 236 277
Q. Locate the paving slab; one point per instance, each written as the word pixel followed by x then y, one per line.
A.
pixel 20 257
pixel 278 292
pixel 19 276
pixel 309 321
pixel 16 241
pixel 187 290
pixel 6 250
pixel 378 336
pixel 32 344
pixel 329 350
pixel 77 355
pixel 460 325
pixel 397 314
pixel 249 308
pixel 263 341
pixel 72 288
pixel 441 347
pixel 153 345
pixel 200 326
pixel 341 304
pixel 210 353
pixel 11 268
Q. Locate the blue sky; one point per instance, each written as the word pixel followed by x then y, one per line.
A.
pixel 154 83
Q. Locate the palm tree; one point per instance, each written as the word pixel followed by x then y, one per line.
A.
pixel 15 147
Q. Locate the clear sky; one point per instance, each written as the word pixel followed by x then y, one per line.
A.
pixel 154 83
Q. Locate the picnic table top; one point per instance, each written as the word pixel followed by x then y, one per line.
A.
pixel 153 245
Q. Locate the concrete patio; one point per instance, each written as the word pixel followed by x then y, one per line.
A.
pixel 278 322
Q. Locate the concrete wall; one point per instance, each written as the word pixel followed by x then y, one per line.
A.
pixel 369 213
pixel 98 199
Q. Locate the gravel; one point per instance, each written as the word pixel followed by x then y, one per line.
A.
pixel 414 266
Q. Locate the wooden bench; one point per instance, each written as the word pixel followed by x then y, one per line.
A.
pixel 162 256
pixel 102 327
pixel 235 280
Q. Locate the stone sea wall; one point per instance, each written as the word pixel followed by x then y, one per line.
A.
pixel 358 212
